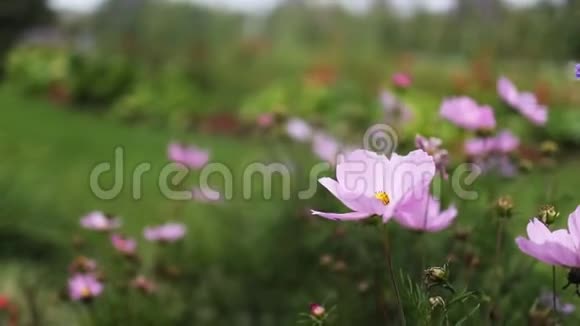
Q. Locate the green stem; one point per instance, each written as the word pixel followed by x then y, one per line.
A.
pixel 389 260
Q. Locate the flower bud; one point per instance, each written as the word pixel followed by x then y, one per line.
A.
pixel 549 148
pixel 504 206
pixel 435 275
pixel 326 260
pixel 436 302
pixel 526 165
pixel 462 234
pixel 317 310
pixel 548 214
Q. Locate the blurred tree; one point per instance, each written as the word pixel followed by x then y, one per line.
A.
pixel 15 17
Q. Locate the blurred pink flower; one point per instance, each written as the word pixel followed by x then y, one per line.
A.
pixel 560 247
pixel 83 265
pixel 144 284
pixel 466 113
pixel 325 147
pixel 395 111
pixel 371 184
pixel 169 232
pixel 432 146
pixel 506 142
pixel 298 130
pixel 525 103
pixel 479 147
pixel 84 287
pixel 191 156
pixel 124 245
pixel 425 214
pixel 205 195
pixel 317 310
pixel 100 221
pixel 265 120
pixel 401 80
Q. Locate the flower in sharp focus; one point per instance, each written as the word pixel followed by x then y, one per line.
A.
pixel 525 103
pixel 190 156
pixel 466 113
pixel 371 184
pixel 205 195
pixel 325 147
pixel 317 310
pixel 298 130
pixel 126 246
pixel 84 287
pixel 169 232
pixel 401 80
pixel 560 247
pixel 425 214
pixel 432 146
pixel 100 221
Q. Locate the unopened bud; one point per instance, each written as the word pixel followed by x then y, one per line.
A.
pixel 325 260
pixel 526 165
pixel 548 214
pixel 504 206
pixel 436 302
pixel 435 275
pixel 549 148
pixel 317 310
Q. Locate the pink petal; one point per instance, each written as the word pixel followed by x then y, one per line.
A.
pixel 347 198
pixel 535 250
pixel 538 232
pixel 574 226
pixel 443 220
pixel 352 216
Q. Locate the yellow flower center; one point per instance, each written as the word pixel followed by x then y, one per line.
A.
pixel 383 197
pixel 85 292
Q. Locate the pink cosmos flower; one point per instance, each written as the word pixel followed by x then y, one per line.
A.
pixel 560 247
pixel 525 103
pixel 298 130
pixel 432 146
pixel 84 287
pixel 325 147
pixel 100 221
pixel 205 195
pixel 169 232
pixel 401 80
pixel 506 142
pixel 467 114
pixel 191 156
pixel 479 147
pixel 425 214
pixel 126 246
pixel 371 184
